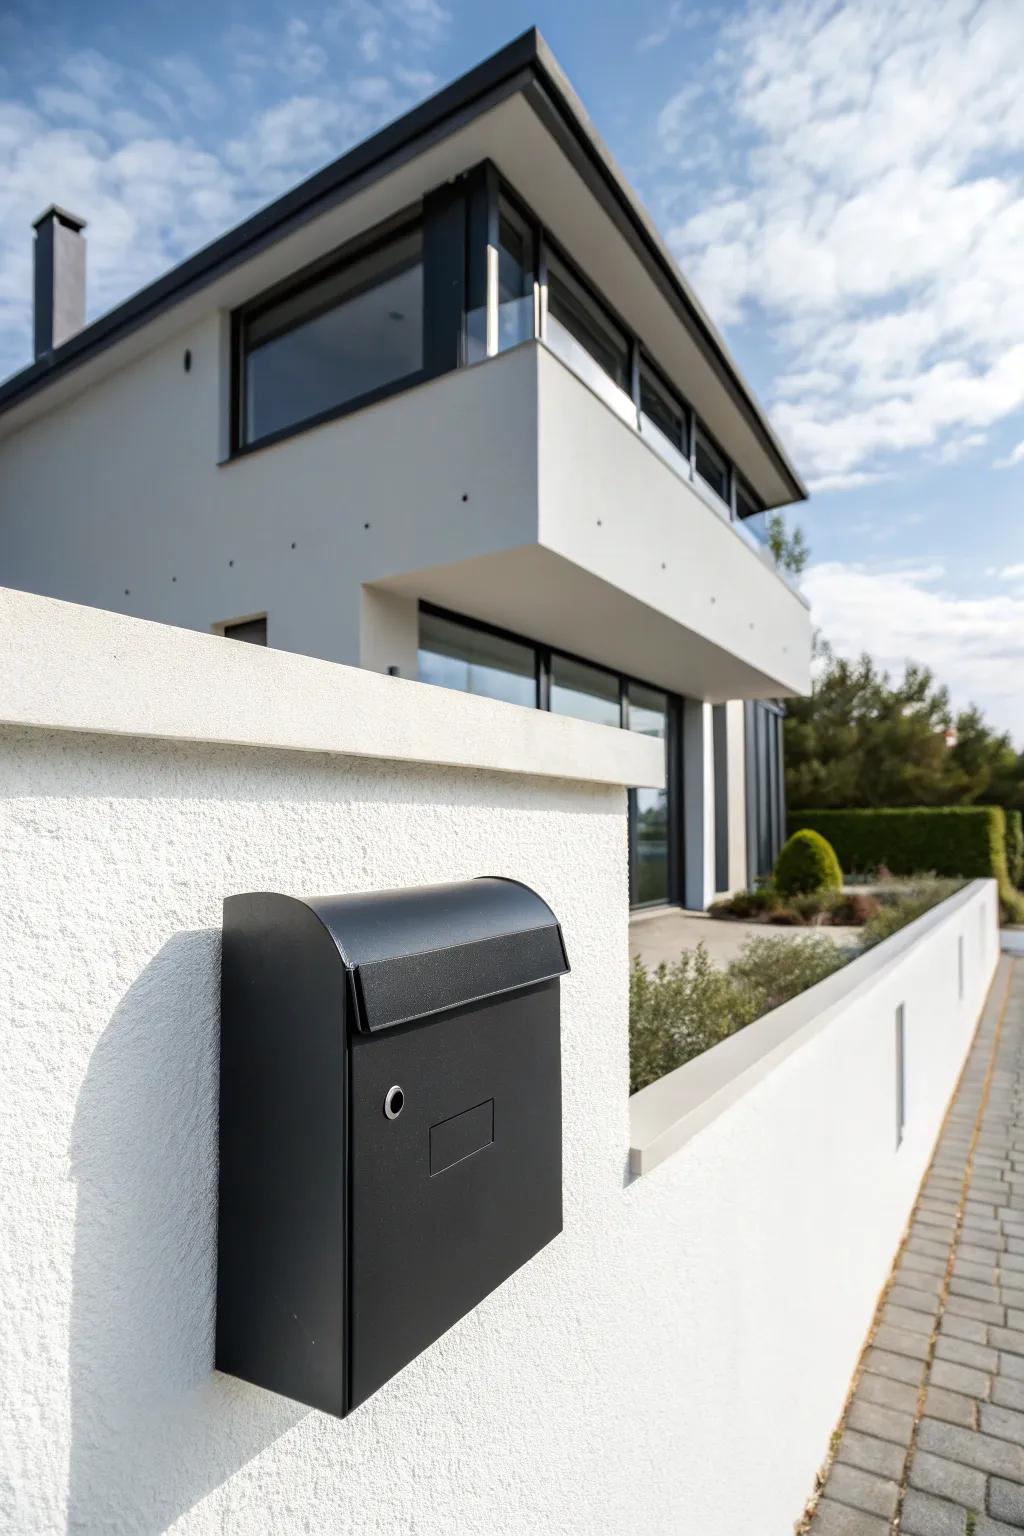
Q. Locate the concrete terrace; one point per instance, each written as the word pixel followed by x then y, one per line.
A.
pixel 932 1439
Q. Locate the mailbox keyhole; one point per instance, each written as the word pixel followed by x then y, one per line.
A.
pixel 394 1102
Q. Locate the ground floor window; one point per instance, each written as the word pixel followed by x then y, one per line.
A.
pixel 766 790
pixel 464 654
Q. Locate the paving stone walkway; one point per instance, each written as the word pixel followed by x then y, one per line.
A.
pixel 932 1443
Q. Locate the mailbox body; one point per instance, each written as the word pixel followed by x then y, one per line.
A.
pixel 349 1240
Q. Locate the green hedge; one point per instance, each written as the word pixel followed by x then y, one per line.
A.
pixel 957 840
pixel 1015 846
pixel 961 840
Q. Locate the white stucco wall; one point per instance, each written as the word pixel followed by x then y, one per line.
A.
pixel 638 1375
pixel 772 1180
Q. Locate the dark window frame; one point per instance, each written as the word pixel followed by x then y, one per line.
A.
pixel 365 244
pixel 606 316
pixel 458 221
pixel 701 434
pixel 686 411
pixel 673 745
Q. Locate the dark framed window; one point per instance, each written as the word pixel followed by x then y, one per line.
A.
pixel 766 785
pixel 662 406
pixel 579 315
pixel 341 338
pixel 711 465
pixel 651 871
pixel 252 631
pixel 473 659
pixel 584 691
pixel 517 271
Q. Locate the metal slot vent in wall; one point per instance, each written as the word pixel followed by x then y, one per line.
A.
pixel 901 1073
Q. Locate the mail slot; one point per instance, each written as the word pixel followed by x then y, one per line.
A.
pixel 390 1124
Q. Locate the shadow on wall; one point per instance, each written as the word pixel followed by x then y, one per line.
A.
pixel 153 1427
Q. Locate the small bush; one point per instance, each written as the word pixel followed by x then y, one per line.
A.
pixel 807 863
pixel 855 909
pixel 681 1010
pixel 748 904
pixel 770 971
pixel 901 906
pixel 677 1012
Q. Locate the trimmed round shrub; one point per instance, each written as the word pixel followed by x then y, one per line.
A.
pixel 807 863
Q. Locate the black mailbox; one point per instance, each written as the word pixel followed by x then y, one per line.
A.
pixel 390 1124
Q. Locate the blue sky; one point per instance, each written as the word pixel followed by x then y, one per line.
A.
pixel 842 181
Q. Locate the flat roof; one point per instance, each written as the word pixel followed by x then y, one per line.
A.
pixel 526 66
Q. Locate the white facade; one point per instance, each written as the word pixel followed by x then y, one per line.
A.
pixel 638 1374
pixel 517 493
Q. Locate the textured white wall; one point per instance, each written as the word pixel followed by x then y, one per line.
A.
pixel 636 1378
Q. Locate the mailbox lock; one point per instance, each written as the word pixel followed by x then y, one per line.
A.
pixel 394 1102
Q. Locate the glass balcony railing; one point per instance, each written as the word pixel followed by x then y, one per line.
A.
pixel 576 357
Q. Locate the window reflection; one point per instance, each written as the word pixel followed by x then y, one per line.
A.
pixel 470 660
pixel 648 714
pixel 586 692
pixel 515 280
pixel 335 340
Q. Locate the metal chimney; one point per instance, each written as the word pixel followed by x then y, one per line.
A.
pixel 59 278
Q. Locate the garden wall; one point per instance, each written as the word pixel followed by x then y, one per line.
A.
pixel 783 1187
pixel 672 1363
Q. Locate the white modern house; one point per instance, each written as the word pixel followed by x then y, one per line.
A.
pixel 447 410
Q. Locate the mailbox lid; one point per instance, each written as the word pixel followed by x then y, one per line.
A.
pixel 421 951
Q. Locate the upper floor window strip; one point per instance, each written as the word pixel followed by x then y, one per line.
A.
pixel 362 327
pixel 339 338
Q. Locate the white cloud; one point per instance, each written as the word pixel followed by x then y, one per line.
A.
pixel 1015 456
pixel 1011 573
pixel 161 162
pixel 869 203
pixel 974 644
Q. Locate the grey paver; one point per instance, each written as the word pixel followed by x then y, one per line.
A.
pixel 971 1448
pixel 948 1480
pixel 913 1321
pixel 963 1353
pixel 1008 1393
pixel 925 1515
pixel 979 1290
pixel 964 1328
pixel 984 1311
pixel 1004 1422
pixel 951 1406
pixel 950 1334
pixel 1008 1339
pixel 879 1456
pixel 900 1341
pixel 959 1378
pixel 1006 1501
pixel 1011 1365
pixel 968 1271
pixel 899 1367
pixel 901 1395
pixel 834 1519
pixel 863 1490
pixel 885 1423
pixel 985 1526
pixel 916 1299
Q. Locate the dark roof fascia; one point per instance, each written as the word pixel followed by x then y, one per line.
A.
pixel 493 81
pixel 527 65
pixel 566 119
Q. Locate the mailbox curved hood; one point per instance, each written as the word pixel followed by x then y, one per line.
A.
pixel 416 952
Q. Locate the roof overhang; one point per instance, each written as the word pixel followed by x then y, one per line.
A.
pixel 517 109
